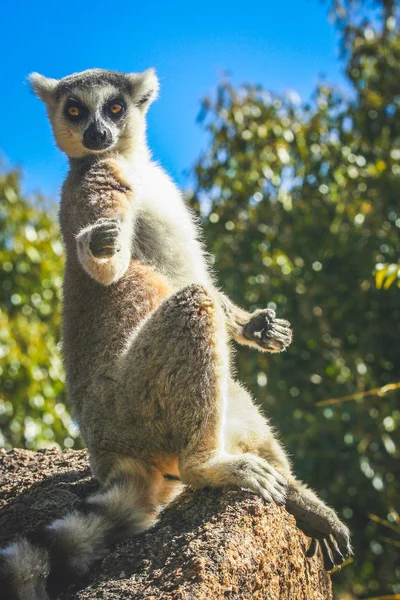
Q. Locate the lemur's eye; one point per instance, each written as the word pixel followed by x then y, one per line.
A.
pixel 115 108
pixel 74 111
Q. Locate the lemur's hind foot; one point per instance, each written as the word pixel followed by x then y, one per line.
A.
pixel 319 522
pixel 243 470
pixel 268 332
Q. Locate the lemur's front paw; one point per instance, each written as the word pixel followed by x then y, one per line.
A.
pixel 257 475
pixel 268 332
pixel 104 238
pixel 331 535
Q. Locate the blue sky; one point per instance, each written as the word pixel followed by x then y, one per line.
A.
pixel 283 45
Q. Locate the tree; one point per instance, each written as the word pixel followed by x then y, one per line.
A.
pixel 300 204
pixel 32 411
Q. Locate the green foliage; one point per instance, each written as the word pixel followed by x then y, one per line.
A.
pixel 32 411
pixel 386 275
pixel 301 207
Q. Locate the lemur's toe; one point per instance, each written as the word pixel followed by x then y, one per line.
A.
pixel 329 563
pixel 312 550
pixel 340 537
pixel 333 553
pixel 336 553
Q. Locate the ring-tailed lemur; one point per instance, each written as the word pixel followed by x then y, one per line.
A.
pixel 146 346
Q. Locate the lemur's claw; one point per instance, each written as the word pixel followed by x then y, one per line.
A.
pixel 268 332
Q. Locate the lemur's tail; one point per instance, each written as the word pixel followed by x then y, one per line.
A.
pixel 40 565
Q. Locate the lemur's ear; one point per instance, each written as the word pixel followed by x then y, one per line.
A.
pixel 145 88
pixel 43 87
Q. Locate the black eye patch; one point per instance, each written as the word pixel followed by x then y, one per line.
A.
pixel 115 108
pixel 75 111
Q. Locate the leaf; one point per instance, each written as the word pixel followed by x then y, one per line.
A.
pixel 392 274
pixel 380 276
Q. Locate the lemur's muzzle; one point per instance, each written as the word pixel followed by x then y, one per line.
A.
pixel 97 137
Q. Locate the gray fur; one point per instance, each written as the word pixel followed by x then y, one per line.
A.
pixel 146 343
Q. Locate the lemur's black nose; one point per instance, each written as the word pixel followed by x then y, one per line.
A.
pixel 97 137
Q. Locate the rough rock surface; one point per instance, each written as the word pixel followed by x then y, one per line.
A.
pixel 208 545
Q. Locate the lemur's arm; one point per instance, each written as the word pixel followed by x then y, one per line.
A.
pixel 104 246
pixel 260 329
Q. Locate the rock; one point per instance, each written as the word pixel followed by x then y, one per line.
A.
pixel 209 544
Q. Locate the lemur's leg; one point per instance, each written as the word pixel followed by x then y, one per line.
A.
pixel 249 431
pixel 40 565
pixel 260 329
pixel 175 370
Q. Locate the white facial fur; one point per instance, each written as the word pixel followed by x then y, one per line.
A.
pixel 92 89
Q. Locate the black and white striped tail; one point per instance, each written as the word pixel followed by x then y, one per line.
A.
pixel 40 565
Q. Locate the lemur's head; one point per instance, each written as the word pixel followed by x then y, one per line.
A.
pixel 96 110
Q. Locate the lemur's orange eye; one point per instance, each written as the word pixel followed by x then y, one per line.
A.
pixel 115 108
pixel 74 111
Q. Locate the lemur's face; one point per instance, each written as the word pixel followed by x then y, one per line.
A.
pixel 93 120
pixel 96 111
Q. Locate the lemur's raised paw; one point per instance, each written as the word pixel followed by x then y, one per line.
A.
pixel 257 475
pixel 268 332
pixel 104 238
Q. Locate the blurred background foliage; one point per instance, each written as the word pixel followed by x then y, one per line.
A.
pixel 300 205
pixel 32 410
pixel 301 208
